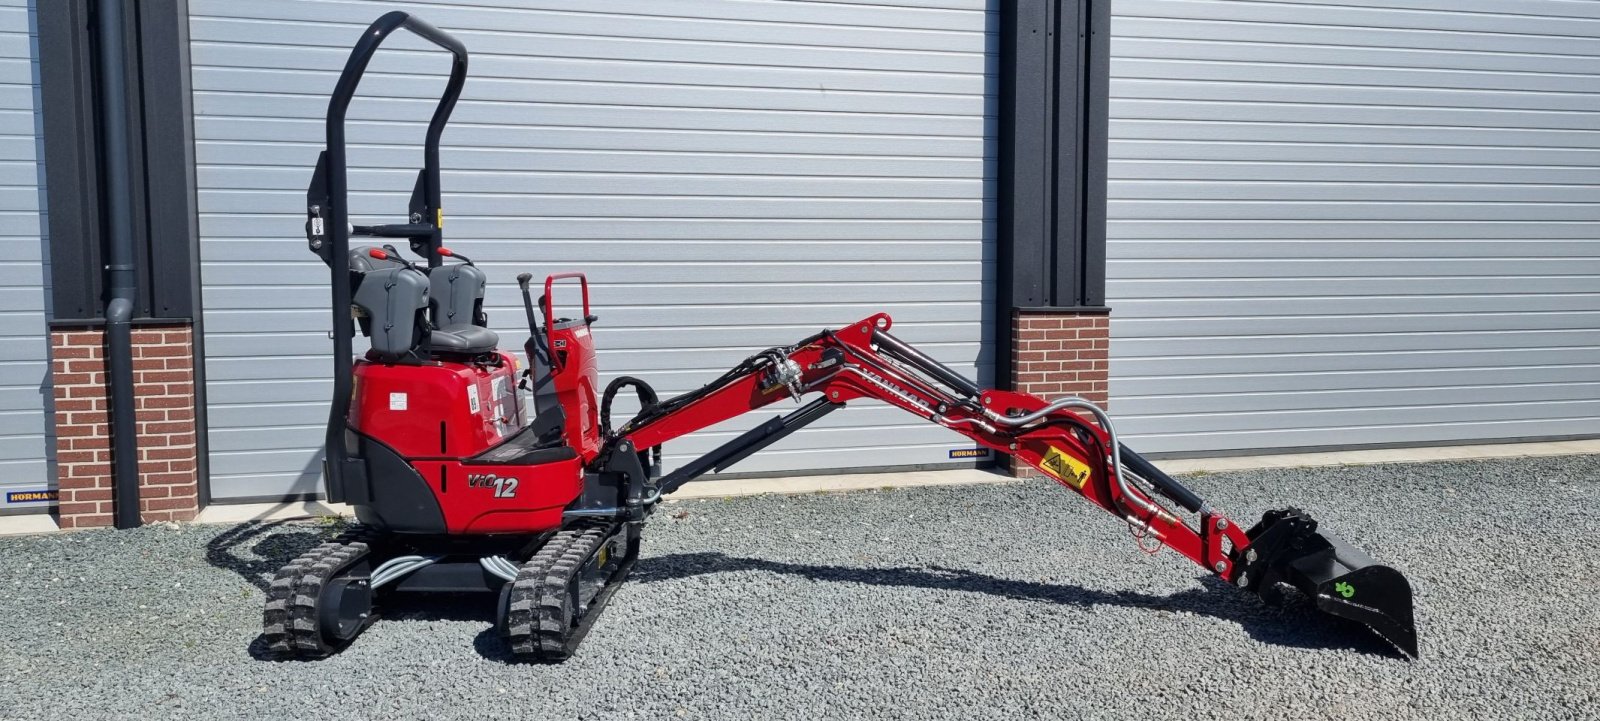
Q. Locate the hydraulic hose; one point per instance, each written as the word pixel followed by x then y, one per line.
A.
pixel 1127 492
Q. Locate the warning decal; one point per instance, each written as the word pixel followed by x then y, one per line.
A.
pixel 1065 468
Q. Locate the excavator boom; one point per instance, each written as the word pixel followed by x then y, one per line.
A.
pixel 1068 439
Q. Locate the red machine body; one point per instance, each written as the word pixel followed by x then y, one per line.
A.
pixel 479 498
pixel 440 409
pixel 440 415
pixel 574 371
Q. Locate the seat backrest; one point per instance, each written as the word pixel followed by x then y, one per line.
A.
pixel 392 303
pixel 456 292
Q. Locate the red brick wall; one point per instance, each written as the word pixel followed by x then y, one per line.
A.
pixel 163 367
pixel 1058 353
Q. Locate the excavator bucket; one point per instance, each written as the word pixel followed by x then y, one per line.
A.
pixel 1342 580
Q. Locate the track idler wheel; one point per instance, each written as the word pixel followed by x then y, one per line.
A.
pixel 1343 581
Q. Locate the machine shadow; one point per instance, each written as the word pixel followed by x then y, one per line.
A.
pixel 1295 623
pixel 270 549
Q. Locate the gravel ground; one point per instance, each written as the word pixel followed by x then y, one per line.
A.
pixel 992 602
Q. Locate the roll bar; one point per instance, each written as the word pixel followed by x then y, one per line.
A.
pixel 328 216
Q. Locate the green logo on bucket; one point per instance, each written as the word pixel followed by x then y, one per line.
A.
pixel 1344 589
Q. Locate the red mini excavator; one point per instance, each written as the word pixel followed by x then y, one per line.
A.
pixel 456 491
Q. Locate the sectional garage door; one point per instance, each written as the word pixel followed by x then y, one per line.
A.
pixel 1354 222
pixel 25 447
pixel 733 174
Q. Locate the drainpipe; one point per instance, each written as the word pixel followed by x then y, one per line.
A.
pixel 121 280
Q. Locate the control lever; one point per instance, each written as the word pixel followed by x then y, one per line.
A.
pixel 523 279
pixel 537 338
pixel 448 253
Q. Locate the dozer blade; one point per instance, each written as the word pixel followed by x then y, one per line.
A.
pixel 1343 580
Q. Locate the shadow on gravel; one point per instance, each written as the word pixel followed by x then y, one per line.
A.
pixel 268 550
pixel 492 646
pixel 257 550
pixel 271 552
pixel 1296 623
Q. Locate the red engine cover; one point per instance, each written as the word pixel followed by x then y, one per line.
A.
pixel 438 414
pixel 436 409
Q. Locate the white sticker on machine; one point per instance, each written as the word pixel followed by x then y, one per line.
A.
pixel 472 397
pixel 397 401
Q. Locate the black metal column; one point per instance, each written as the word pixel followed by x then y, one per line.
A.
pixel 1054 57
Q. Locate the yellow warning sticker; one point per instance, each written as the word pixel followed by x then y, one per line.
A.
pixel 1065 468
pixel 438 218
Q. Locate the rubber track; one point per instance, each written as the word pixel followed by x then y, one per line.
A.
pixel 289 622
pixel 540 615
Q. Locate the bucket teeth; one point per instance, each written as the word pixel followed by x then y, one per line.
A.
pixel 1343 580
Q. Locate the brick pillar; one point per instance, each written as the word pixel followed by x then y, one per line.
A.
pixel 83 435
pixel 164 399
pixel 1060 353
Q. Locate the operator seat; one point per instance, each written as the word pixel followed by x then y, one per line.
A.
pixel 463 339
pixel 395 297
pixel 455 300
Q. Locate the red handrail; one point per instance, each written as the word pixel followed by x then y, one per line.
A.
pixel 548 303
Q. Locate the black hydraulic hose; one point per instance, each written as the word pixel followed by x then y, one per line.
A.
pixel 647 400
pixel 899 350
pixel 122 280
pixel 646 394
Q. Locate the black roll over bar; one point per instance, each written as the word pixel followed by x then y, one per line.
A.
pixel 328 227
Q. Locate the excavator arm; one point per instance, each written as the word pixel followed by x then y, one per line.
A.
pixel 1068 439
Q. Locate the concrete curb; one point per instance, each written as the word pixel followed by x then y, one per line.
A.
pixel 29 524
pixel 242 513
pixel 718 488
pixel 1430 454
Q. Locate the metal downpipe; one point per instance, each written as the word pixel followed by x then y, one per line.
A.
pixel 121 280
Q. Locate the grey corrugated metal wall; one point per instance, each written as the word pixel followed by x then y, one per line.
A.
pixel 1354 222
pixel 732 174
pixel 24 335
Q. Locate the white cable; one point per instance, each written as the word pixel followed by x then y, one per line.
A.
pixel 400 567
pixel 500 566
